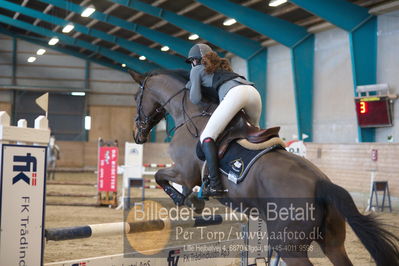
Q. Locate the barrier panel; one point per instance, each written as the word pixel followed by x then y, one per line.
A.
pixel 107 176
pixel 22 190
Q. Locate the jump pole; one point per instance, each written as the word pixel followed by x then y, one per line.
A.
pixel 169 255
pixel 109 229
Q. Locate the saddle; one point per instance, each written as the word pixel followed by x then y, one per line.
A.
pixel 241 145
pixel 240 128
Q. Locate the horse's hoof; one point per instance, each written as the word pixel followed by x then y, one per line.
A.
pixel 178 199
pixel 194 202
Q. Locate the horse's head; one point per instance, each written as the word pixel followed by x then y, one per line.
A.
pixel 149 109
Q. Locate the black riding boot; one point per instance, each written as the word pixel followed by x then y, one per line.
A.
pixel 215 184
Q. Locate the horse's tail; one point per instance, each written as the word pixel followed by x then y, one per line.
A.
pixel 378 241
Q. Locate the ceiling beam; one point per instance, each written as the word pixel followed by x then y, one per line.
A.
pixel 233 29
pixel 163 59
pixel 282 31
pixel 163 22
pixel 133 63
pixel 45 11
pixel 133 18
pixel 94 21
pixel 332 12
pixel 176 44
pixel 16 15
pixel 138 15
pixel 237 44
pixel 43 42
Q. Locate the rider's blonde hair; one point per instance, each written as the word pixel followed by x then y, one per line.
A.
pixel 213 62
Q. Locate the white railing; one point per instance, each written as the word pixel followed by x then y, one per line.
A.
pixel 21 134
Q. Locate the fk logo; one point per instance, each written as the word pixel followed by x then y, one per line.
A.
pixel 30 166
pixel 173 257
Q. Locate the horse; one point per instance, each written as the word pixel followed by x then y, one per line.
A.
pixel 53 154
pixel 276 175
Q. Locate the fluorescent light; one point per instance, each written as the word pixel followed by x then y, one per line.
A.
pixel 164 48
pixel 87 122
pixel 40 52
pixel 53 41
pixel 142 58
pixel 68 28
pixel 193 37
pixel 275 3
pixel 31 59
pixel 229 22
pixel 123 65
pixel 78 93
pixel 88 11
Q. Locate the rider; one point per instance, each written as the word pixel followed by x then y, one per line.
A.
pixel 212 75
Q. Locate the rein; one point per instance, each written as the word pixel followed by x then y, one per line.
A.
pixel 190 119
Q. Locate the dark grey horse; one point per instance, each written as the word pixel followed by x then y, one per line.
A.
pixel 276 175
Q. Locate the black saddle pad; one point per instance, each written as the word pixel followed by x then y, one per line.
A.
pixel 237 160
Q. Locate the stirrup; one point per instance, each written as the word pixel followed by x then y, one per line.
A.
pixel 201 194
pixel 209 192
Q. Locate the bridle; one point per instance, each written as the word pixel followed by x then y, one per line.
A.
pixel 147 122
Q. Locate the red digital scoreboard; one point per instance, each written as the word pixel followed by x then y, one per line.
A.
pixel 374 111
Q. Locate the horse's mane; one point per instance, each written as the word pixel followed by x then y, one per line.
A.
pixel 179 74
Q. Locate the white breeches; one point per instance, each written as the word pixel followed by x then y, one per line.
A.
pixel 240 97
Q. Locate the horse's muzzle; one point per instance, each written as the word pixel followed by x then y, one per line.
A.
pixel 138 138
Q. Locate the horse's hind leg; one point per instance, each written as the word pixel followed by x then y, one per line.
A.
pixel 337 255
pixel 333 242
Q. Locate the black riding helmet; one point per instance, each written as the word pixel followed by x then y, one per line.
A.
pixel 197 52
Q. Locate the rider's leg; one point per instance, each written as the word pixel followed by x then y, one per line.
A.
pixel 211 154
pixel 254 107
pixel 235 100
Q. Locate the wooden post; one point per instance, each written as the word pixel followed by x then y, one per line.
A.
pixel 24 124
pixel 4 122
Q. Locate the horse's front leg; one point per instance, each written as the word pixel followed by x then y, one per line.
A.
pixel 170 174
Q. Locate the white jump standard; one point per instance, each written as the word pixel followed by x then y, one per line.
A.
pixel 135 170
pixel 22 189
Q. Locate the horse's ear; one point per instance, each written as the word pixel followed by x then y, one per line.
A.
pixel 136 76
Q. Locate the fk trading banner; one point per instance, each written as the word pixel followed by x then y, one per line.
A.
pixel 23 173
pixel 107 169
